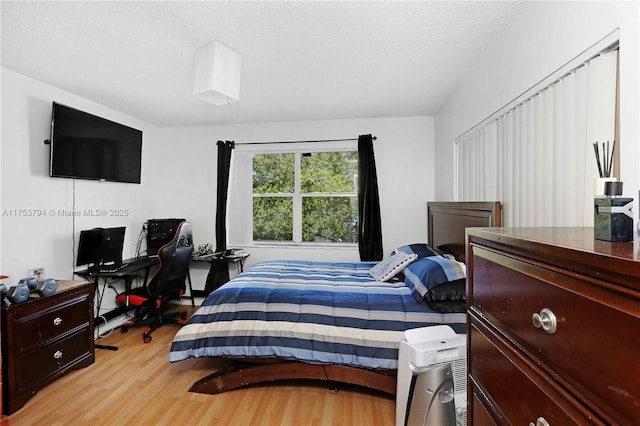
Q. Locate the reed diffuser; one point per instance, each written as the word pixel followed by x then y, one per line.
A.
pixel 605 165
pixel 604 161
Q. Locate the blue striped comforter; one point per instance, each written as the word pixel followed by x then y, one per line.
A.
pixel 315 312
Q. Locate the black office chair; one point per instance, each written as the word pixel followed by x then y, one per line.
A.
pixel 167 284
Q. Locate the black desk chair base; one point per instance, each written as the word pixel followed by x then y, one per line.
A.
pixel 154 319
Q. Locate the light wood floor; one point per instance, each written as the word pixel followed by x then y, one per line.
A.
pixel 137 385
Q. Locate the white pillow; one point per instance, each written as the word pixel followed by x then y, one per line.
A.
pixel 392 266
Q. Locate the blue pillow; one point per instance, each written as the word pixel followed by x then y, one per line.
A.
pixel 426 273
pixel 421 249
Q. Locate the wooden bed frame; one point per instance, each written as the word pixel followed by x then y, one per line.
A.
pixel 447 223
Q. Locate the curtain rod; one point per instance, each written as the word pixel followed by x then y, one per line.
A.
pixel 320 140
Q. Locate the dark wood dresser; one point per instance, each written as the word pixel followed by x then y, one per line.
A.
pixel 554 328
pixel 43 339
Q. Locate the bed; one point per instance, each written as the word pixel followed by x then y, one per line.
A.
pixel 333 321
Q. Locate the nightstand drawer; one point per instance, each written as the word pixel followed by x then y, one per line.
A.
pixel 510 383
pixel 580 349
pixel 34 327
pixel 41 364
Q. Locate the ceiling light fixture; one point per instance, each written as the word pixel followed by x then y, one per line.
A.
pixel 217 74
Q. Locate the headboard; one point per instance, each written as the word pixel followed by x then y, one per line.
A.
pixel 447 222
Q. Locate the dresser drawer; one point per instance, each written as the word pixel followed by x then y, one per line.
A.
pixel 481 415
pixel 594 346
pixel 42 363
pixel 35 326
pixel 522 394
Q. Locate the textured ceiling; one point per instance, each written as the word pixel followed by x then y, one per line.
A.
pixel 301 60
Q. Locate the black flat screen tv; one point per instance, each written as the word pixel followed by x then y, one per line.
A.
pixel 86 146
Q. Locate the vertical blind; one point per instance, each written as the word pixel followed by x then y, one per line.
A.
pixel 537 158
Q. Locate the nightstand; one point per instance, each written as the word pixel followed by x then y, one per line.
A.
pixel 43 339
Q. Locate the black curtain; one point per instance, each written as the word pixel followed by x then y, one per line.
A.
pixel 369 224
pixel 219 270
pixel 225 148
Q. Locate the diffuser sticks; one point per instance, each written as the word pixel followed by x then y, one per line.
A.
pixel 605 162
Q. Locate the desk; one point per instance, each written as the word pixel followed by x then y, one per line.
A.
pixel 219 269
pixel 133 270
pixel 137 268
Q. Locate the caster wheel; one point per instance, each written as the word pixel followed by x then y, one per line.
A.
pixel 124 329
pixel 146 338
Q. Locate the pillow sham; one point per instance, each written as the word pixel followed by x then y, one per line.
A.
pixel 443 294
pixel 421 249
pixel 390 267
pixel 448 306
pixel 429 272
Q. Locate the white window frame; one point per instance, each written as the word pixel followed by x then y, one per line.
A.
pixel 241 193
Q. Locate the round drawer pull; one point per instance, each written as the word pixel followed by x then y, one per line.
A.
pixel 541 421
pixel 547 321
pixel 57 355
pixel 57 321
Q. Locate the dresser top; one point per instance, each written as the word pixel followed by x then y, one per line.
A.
pixel 63 286
pixel 68 284
pixel 575 249
pixel 572 238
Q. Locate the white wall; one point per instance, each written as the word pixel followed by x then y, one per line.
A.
pixel 175 173
pixel 178 180
pixel 404 163
pixel 545 36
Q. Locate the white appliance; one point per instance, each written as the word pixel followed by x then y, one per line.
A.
pixel 432 378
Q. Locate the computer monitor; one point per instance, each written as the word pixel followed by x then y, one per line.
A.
pixel 100 246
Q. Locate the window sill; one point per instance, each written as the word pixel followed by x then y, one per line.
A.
pixel 325 246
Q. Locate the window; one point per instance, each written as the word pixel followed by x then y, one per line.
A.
pixel 305 197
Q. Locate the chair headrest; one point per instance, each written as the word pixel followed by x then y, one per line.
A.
pixel 184 235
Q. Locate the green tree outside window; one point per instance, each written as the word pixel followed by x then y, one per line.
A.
pixel 305 197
